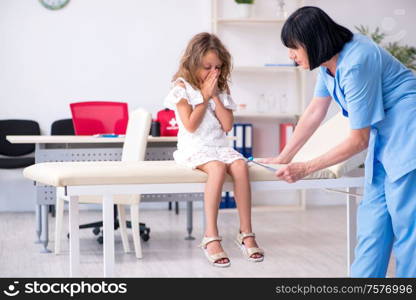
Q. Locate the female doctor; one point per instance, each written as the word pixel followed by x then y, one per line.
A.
pixel 378 96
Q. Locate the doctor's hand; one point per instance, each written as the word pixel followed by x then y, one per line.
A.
pixel 293 172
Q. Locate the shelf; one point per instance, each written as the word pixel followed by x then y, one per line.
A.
pixel 265 69
pixel 228 26
pixel 249 20
pixel 268 115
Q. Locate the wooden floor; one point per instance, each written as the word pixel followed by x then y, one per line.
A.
pixel 309 243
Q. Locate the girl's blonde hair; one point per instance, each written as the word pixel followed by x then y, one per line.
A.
pixel 191 60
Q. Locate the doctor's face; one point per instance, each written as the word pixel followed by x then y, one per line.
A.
pixel 300 56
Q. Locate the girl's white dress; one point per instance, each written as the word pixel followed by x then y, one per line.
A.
pixel 209 141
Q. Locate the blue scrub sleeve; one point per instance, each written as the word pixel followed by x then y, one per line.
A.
pixel 363 95
pixel 320 88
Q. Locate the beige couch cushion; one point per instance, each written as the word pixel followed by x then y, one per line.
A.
pixel 117 172
pixel 330 134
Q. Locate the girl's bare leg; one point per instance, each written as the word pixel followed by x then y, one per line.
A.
pixel 216 171
pixel 242 192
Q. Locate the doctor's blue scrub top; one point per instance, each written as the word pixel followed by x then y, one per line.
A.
pixel 375 90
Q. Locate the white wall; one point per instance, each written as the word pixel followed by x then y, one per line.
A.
pixel 91 50
pixel 124 50
pixel 127 50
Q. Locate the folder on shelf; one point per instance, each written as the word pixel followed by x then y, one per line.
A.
pixel 239 134
pixel 231 200
pixel 224 200
pixel 244 138
pixel 248 140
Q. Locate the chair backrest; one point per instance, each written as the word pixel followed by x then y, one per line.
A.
pixel 98 117
pixel 327 136
pixel 135 142
pixel 17 127
pixel 62 127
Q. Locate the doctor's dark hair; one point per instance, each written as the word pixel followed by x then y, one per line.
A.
pixel 311 28
pixel 191 60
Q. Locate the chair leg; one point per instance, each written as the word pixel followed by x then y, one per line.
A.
pixel 135 226
pixel 123 227
pixel 59 215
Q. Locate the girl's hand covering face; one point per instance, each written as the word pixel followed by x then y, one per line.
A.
pixel 209 87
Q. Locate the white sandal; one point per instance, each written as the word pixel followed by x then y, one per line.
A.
pixel 213 258
pixel 248 252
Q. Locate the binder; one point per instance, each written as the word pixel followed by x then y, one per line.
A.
pixel 244 138
pixel 286 131
pixel 239 134
pixel 231 200
pixel 224 200
pixel 248 140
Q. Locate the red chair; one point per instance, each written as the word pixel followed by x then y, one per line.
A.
pixel 99 117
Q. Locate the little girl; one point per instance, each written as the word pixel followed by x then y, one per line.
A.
pixel 203 106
